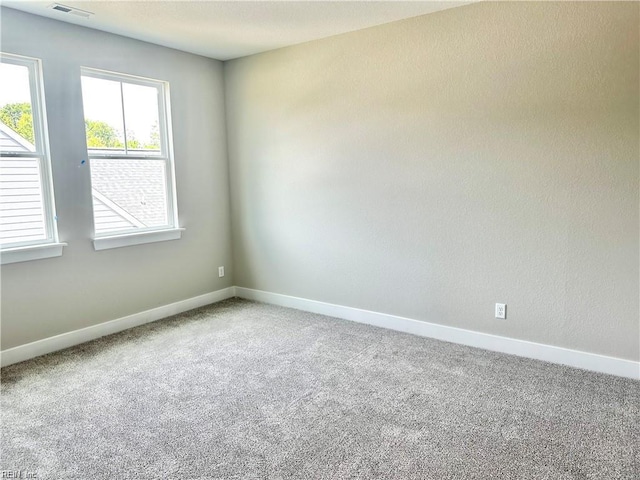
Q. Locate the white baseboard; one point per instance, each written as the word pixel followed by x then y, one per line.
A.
pixel 522 348
pixel 69 339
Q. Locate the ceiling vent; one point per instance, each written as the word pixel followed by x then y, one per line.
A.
pixel 70 10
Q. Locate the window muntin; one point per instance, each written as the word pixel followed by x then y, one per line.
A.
pixel 128 143
pixel 26 193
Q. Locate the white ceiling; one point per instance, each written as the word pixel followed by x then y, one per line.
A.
pixel 232 29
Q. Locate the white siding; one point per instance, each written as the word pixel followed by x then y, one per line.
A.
pixel 11 141
pixel 21 208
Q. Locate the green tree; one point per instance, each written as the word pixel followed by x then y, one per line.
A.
pixel 154 138
pixel 18 117
pixel 101 135
pixel 132 142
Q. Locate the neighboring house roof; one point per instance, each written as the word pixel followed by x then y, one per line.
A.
pixel 110 216
pixel 126 193
pixel 136 187
pixel 13 142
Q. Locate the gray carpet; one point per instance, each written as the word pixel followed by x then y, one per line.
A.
pixel 245 390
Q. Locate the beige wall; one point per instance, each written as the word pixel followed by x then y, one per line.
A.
pixel 84 287
pixel 434 166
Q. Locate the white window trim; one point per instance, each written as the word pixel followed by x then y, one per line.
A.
pixel 137 238
pixel 172 231
pixel 51 245
pixel 31 252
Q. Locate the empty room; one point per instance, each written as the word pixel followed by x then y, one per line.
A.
pixel 320 240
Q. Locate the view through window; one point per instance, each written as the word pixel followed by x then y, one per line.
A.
pixel 127 141
pixel 26 198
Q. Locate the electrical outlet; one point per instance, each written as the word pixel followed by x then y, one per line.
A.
pixel 501 310
pixel 221 271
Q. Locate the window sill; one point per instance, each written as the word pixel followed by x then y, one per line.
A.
pixel 137 238
pixel 31 252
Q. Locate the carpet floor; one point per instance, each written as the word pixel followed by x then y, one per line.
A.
pixel 245 390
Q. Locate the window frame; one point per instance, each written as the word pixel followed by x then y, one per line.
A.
pixel 135 236
pixel 50 246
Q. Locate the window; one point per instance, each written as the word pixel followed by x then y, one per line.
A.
pixel 27 217
pixel 129 147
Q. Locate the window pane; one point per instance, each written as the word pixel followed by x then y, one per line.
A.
pixel 21 204
pixel 141 118
pixel 128 194
pixel 102 103
pixel 16 120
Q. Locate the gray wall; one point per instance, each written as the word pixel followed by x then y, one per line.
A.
pixel 434 166
pixel 84 287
